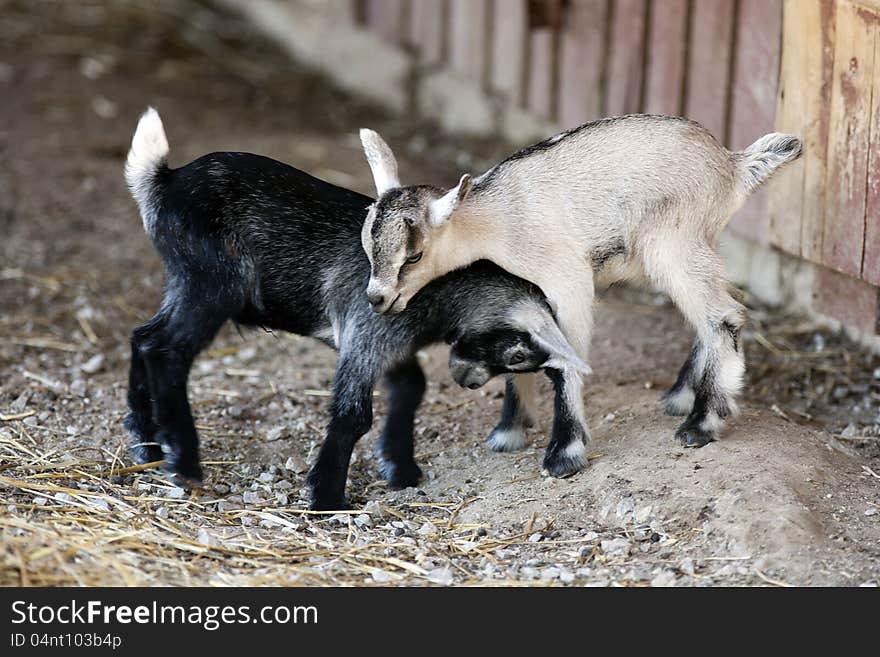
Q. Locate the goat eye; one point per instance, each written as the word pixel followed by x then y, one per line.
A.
pixel 414 258
pixel 517 358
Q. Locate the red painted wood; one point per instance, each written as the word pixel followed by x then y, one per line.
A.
pixel 709 63
pixel 624 73
pixel 582 43
pixel 667 41
pixel 509 34
pixel 753 103
pixel 384 18
pixel 426 30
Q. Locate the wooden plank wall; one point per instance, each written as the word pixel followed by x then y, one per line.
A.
pixel 740 67
pixel 827 209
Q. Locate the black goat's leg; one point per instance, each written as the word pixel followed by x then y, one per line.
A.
pixel 351 415
pixel 168 355
pixel 566 452
pixel 395 447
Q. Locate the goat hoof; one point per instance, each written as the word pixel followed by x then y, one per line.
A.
pixel 691 436
pixel 329 505
pixel 146 452
pixel 507 439
pixel 185 475
pixel 565 462
pixel 401 475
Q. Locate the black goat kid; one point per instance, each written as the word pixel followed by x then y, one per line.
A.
pixel 250 239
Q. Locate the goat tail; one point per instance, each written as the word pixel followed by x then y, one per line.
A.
pixel 148 155
pixel 758 162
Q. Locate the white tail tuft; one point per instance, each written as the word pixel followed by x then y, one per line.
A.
pixel 149 150
pixel 761 160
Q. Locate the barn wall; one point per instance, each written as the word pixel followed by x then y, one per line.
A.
pixel 523 69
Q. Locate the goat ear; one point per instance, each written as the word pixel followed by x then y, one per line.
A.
pixel 441 210
pixel 381 160
pixel 562 354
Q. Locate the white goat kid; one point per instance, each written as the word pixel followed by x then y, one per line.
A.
pixel 640 198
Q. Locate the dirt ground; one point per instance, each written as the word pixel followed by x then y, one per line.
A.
pixel 790 495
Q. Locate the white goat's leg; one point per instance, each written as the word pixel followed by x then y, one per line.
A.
pixel 695 283
pixel 517 414
pixel 567 453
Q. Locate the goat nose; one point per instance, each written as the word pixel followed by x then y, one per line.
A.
pixel 376 299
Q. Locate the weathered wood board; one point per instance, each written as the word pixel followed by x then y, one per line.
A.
pixel 848 139
pixel 665 61
pixel 753 102
pixel 709 56
pixel 625 57
pixel 581 60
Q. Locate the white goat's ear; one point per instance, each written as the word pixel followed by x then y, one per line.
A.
pixel 381 160
pixel 562 354
pixel 441 210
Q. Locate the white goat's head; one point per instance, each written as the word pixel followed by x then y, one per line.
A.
pixel 400 228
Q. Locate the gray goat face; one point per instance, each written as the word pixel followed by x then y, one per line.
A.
pixel 476 358
pixel 396 236
pixel 400 228
pixel 526 339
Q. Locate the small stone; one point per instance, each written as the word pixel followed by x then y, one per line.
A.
pixel 93 364
pixel 283 485
pixel 234 411
pixel 63 497
pixel 275 433
pixel 176 493
pixel 252 497
pixel 266 477
pixel 550 572
pixel 566 576
pixel 296 464
pixel 381 576
pixel 616 546
pixel 442 576
pixel 398 531
pixel 99 502
pixel 641 515
pixel 281 499
pixel 687 566
pixel 871 512
pixel 79 388
pixel 849 431
pixel 221 489
pixel 40 501
pixel 206 539
pixel 664 578
pixel 482 531
pixel 363 520
pixel 610 417
pixel 162 512
pixel 427 529
pixel 373 508
pixel 21 401
pixel 536 537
